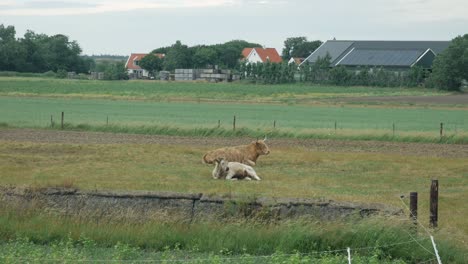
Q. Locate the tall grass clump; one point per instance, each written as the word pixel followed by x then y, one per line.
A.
pixel 254 237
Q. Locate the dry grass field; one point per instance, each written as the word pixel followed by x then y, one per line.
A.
pixel 369 172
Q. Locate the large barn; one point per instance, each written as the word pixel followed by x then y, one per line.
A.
pixel 392 55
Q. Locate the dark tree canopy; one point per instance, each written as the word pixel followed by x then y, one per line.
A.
pixel 225 55
pixel 178 57
pixel 204 57
pixel 151 63
pixel 299 47
pixel 450 67
pixel 39 52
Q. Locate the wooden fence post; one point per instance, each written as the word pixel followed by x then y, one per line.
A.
pixel 51 121
pixel 414 208
pixel 62 120
pixel 219 123
pixel 335 126
pixel 234 123
pixel 393 128
pixel 441 129
pixel 274 124
pixel 107 121
pixel 434 204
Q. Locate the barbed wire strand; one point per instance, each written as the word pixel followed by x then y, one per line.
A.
pixel 432 253
pixel 417 221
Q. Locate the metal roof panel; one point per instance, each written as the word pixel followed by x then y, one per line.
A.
pixel 381 57
pixel 334 48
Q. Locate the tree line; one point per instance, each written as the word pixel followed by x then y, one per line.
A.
pixel 40 53
pixel 180 56
pixel 227 55
pixel 320 72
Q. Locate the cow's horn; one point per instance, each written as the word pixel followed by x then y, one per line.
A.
pixel 265 138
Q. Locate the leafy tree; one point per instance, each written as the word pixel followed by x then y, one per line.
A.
pixel 299 47
pixel 7 33
pixel 204 56
pixel 230 57
pixel 9 50
pixel 320 68
pixel 415 76
pixel 362 77
pixel 115 71
pixel 340 76
pixel 61 73
pixel 39 52
pixel 163 50
pixel 178 57
pixel 62 53
pixel 36 50
pixel 151 63
pixel 226 55
pixel 450 67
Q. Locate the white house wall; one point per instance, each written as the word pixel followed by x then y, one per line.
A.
pixel 254 57
pixel 143 72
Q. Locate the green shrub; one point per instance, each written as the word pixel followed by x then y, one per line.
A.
pixel 62 74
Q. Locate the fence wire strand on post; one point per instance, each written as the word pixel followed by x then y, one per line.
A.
pixel 417 221
pixel 425 229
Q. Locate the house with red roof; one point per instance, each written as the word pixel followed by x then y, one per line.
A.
pixel 133 68
pixel 255 55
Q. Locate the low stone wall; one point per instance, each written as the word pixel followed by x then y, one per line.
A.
pixel 144 206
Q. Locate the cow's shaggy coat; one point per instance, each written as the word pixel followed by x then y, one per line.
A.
pixel 247 154
pixel 233 171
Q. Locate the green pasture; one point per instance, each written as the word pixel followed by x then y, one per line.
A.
pixel 163 91
pixel 36 112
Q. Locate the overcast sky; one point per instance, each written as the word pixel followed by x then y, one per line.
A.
pixel 125 26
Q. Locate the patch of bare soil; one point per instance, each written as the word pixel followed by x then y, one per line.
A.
pixel 74 137
pixel 457 99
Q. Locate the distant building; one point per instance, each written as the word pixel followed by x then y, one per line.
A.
pixel 392 55
pixel 296 61
pixel 133 68
pixel 255 55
